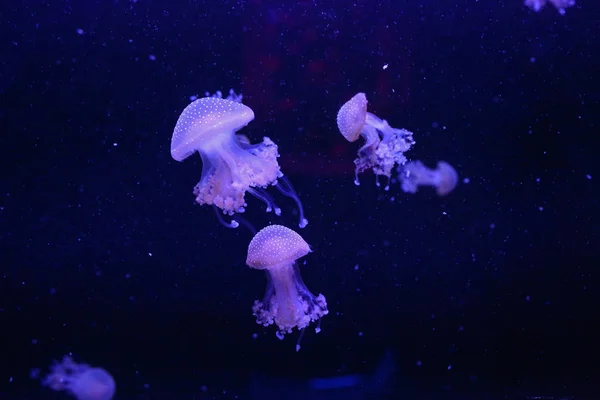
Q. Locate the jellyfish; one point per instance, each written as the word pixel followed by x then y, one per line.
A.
pixel 384 146
pixel 231 165
pixel 287 303
pixel 560 5
pixel 414 174
pixel 81 380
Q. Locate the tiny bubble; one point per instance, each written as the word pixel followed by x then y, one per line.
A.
pixel 80 31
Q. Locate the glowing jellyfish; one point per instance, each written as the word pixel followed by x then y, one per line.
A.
pixel 81 380
pixel 385 146
pixel 231 166
pixel 414 174
pixel 561 5
pixel 287 303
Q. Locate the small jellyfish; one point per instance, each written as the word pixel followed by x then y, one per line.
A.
pixel 231 166
pixel 560 5
pixel 384 147
pixel 414 174
pixel 81 380
pixel 287 303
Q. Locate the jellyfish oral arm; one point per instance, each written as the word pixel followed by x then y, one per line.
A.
pixel 288 302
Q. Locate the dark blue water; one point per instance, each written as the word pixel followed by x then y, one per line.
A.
pixel 490 291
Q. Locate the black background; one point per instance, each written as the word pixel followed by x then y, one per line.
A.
pixel 104 253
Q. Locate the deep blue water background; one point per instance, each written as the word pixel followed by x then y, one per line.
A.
pixel 103 252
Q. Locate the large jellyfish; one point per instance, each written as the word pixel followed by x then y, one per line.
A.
pixel 385 146
pixel 414 174
pixel 287 303
pixel 81 380
pixel 231 166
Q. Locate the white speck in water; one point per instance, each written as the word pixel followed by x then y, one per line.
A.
pixel 385 67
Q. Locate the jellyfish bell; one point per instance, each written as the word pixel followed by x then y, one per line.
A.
pixel 287 303
pixel 231 165
pixel 384 146
pixel 414 174
pixel 446 178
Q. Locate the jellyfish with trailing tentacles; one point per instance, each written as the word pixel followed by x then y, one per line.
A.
pixel 414 174
pixel 81 380
pixel 231 166
pixel 384 146
pixel 287 303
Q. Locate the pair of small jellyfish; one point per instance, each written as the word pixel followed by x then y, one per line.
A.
pixel 384 150
pixel 231 165
pixel 560 5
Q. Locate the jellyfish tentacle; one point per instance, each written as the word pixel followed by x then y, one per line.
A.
pixel 267 199
pixel 232 225
pixel 285 187
pixel 298 347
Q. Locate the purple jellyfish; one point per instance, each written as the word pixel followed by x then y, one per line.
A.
pixel 414 174
pixel 81 380
pixel 287 303
pixel 385 146
pixel 231 166
pixel 560 5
